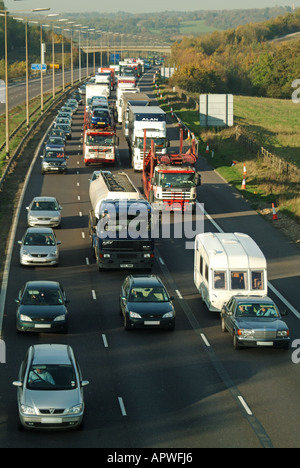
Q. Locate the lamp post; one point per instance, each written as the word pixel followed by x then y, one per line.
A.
pixel 5 14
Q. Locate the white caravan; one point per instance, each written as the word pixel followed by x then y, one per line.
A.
pixel 228 264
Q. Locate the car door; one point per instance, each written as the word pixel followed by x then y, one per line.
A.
pixel 229 315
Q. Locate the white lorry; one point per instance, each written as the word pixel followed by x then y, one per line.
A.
pixel 93 90
pixel 153 120
pixel 226 264
pixel 122 89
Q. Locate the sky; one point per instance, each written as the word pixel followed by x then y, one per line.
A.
pixel 142 6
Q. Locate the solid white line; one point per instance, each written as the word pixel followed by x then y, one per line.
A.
pixel 94 294
pixel 104 340
pixel 205 339
pixel 245 406
pixel 122 406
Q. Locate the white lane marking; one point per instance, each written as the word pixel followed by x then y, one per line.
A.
pixel 104 340
pixel 245 406
pixel 94 294
pixel 205 339
pixel 122 406
pixel 83 235
pixel 80 213
pixel 161 261
pixel 178 294
pixel 87 261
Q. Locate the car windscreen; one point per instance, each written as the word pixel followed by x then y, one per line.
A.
pixel 44 206
pixel 39 239
pixel 42 296
pixel 155 294
pixel 51 377
pixel 249 309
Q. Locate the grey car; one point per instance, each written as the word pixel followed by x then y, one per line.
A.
pixel 254 321
pixel 50 388
pixel 44 211
pixel 39 247
pixel 54 161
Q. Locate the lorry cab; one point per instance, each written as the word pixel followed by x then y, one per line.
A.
pixel 227 264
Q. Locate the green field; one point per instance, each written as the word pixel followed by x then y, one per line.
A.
pixel 195 27
pixel 274 124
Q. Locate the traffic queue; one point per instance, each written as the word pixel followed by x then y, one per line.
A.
pixel 230 271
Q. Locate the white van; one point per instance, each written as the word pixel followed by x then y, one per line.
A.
pixel 228 264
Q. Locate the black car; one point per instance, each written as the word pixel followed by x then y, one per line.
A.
pixel 254 321
pixel 65 128
pixel 42 307
pixel 145 303
pixel 54 161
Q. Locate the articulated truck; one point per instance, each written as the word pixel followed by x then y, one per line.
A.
pixel 120 223
pixel 171 180
pixel 150 122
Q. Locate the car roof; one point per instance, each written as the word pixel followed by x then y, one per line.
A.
pixel 51 354
pixel 42 284
pixel 253 299
pixel 44 198
pixel 146 280
pixel 44 230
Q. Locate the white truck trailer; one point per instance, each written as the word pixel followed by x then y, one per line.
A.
pixel 153 120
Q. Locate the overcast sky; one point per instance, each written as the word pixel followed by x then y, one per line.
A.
pixel 142 6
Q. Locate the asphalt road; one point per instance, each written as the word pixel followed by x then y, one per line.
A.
pixel 155 389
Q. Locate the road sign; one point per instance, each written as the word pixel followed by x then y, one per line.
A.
pixel 56 66
pixel 37 66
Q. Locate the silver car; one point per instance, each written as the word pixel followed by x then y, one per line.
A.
pixel 50 388
pixel 44 211
pixel 39 247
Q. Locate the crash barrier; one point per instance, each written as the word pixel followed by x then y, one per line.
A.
pixel 26 138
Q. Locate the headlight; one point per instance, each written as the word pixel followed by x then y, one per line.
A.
pixel 53 253
pixel 246 333
pixel 25 318
pixel 27 409
pixel 134 315
pixel 283 333
pixel 75 409
pixel 32 218
pixel 60 318
pixel 168 314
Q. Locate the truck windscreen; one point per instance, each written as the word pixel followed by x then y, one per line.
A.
pixel 176 179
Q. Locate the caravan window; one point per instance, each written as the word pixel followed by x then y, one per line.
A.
pixel 239 280
pixel 257 280
pixel 220 280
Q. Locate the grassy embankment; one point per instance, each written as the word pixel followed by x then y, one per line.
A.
pixel 272 123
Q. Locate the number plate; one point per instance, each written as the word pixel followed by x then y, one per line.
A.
pixel 153 322
pixel 264 343
pixel 126 265
pixel 42 325
pixel 51 420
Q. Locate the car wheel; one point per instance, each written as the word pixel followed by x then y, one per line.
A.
pixel 224 329
pixel 236 345
pixel 127 325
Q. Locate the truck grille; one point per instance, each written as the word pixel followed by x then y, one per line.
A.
pixel 175 196
pixel 129 245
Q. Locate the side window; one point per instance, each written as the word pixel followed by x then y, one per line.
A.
pixel 257 280
pixel 206 272
pixel 201 265
pixel 239 280
pixel 220 280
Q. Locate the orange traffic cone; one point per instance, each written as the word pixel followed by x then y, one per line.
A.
pixel 244 184
pixel 207 149
pixel 274 216
pixel 245 170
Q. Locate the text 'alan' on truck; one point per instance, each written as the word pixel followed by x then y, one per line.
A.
pixel 170 181
pixel 120 223
pixel 149 122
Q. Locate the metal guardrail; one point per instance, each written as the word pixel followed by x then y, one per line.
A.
pixel 28 134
